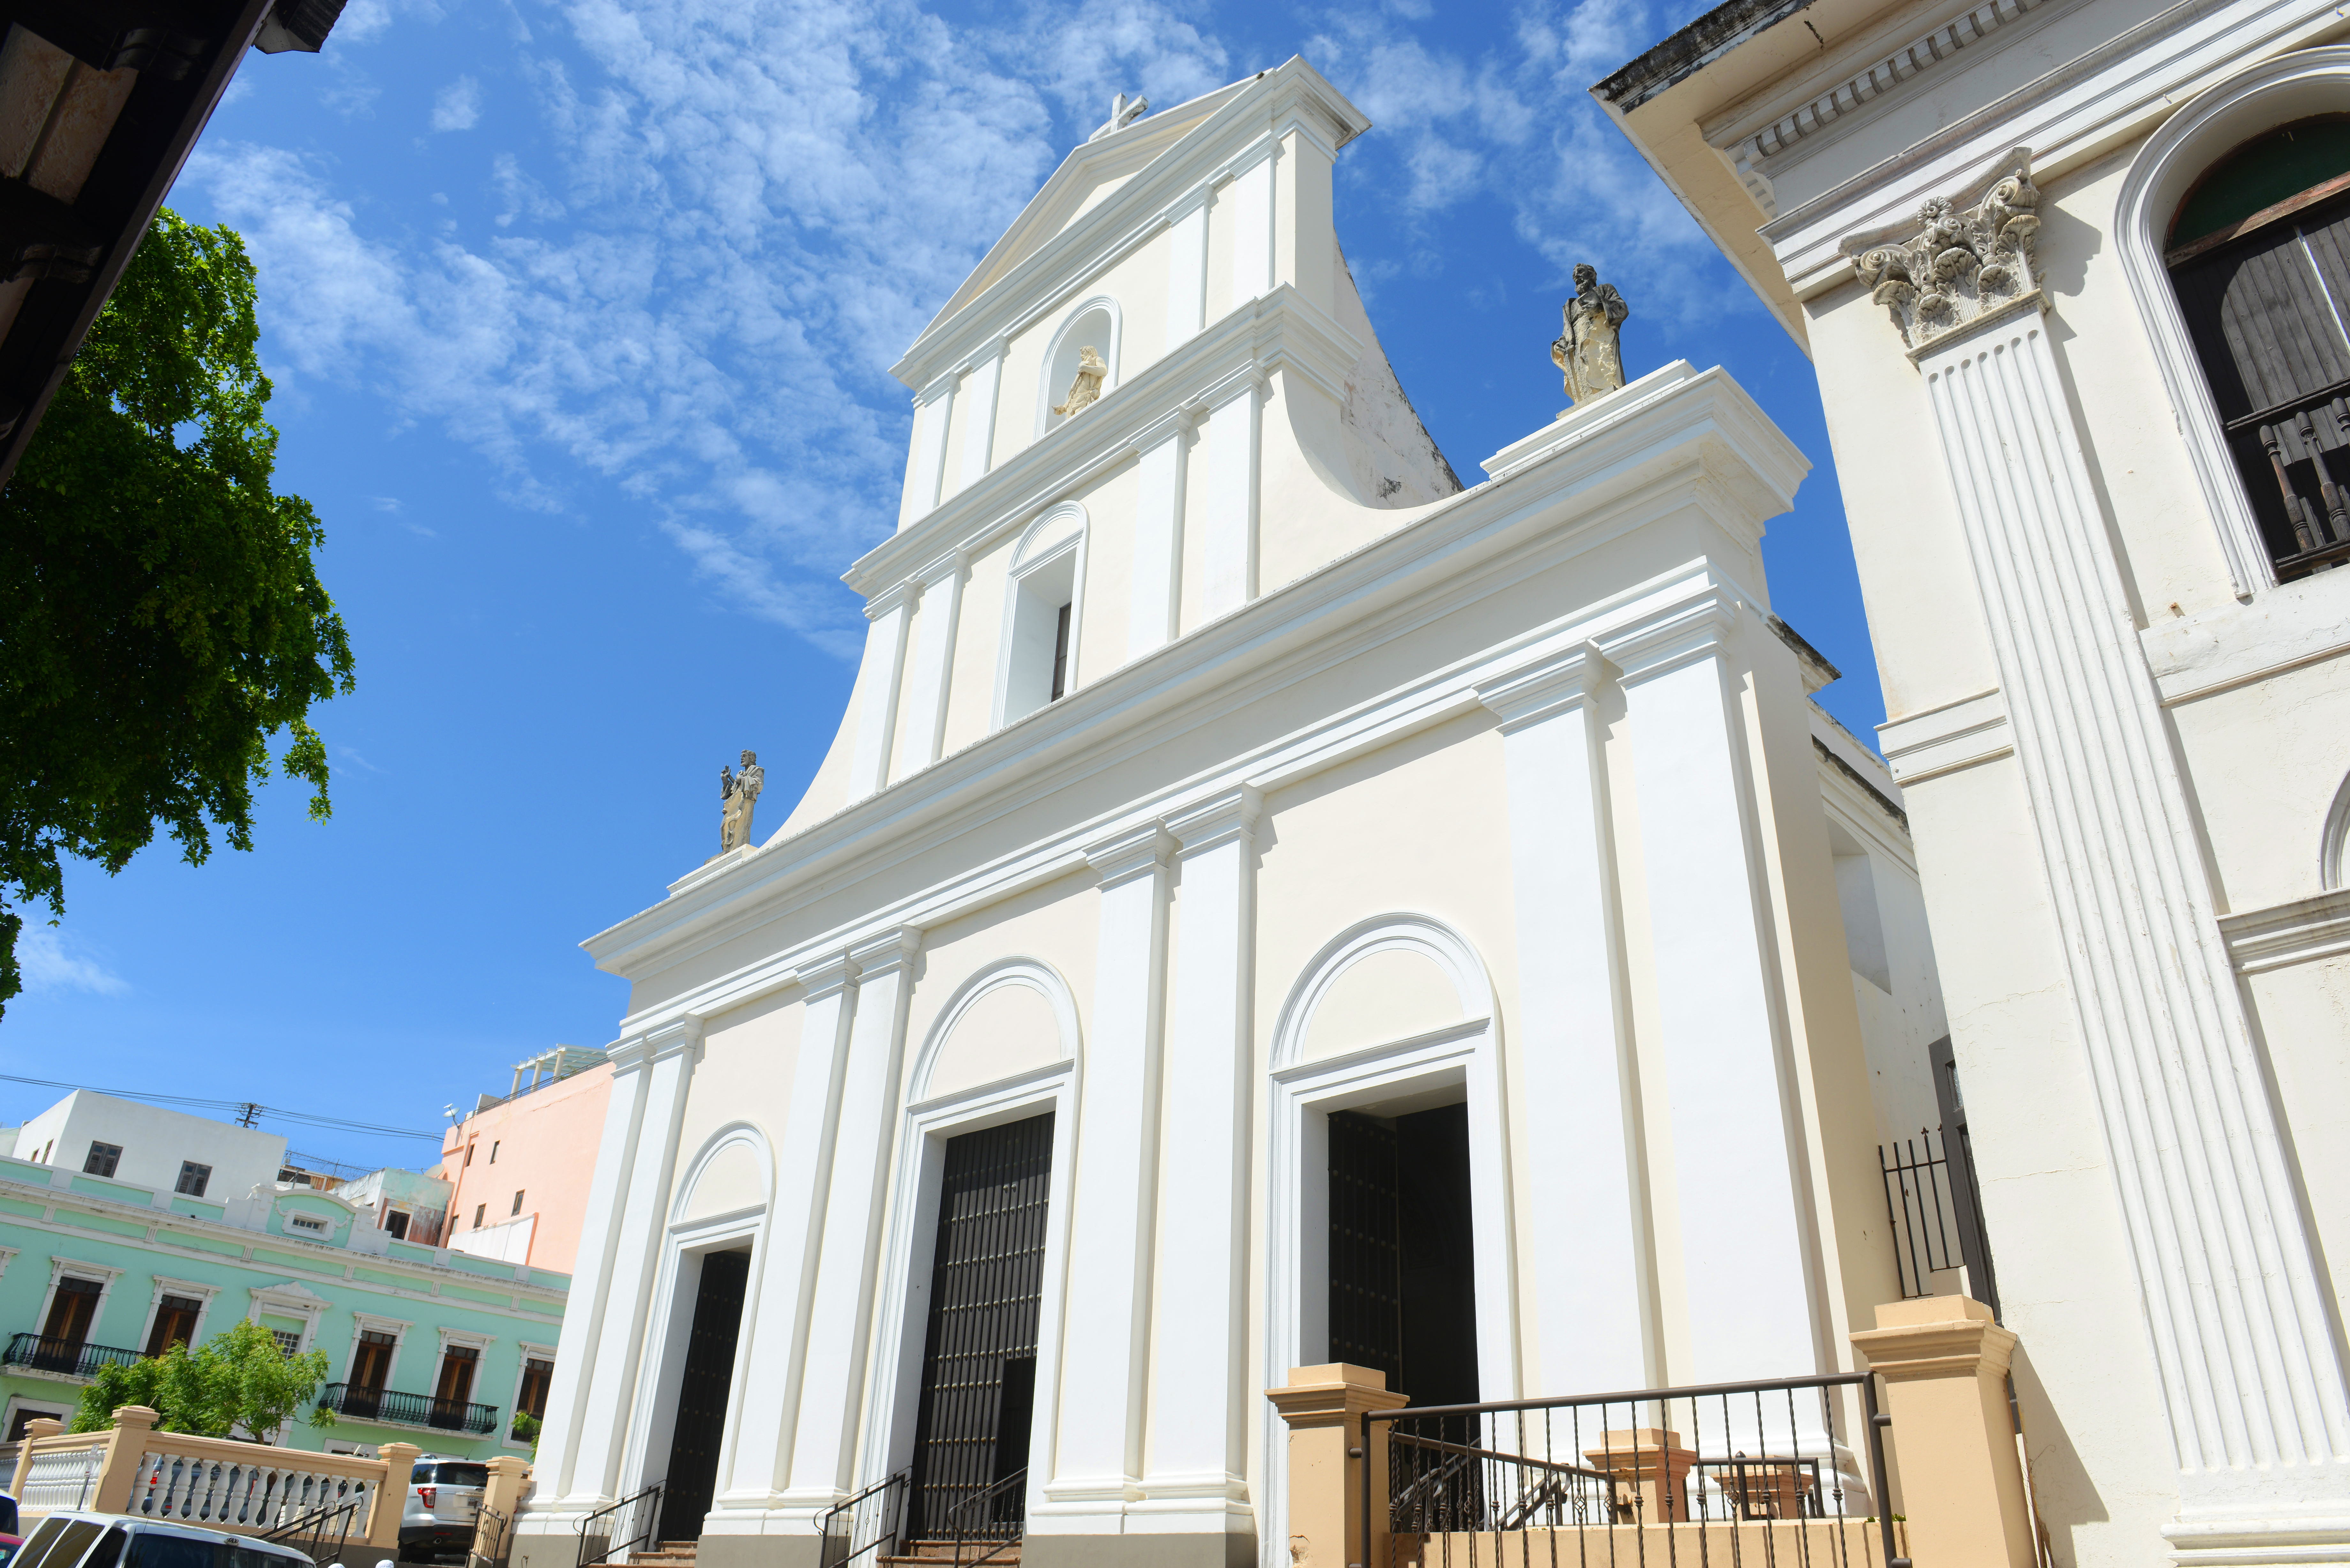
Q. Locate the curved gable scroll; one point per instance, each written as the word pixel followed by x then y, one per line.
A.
pixel 733 1172
pixel 1013 1016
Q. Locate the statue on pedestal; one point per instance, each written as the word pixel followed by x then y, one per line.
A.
pixel 737 793
pixel 1588 352
pixel 1086 388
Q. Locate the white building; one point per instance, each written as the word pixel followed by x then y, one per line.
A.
pixel 2087 416
pixel 148 1146
pixel 1223 785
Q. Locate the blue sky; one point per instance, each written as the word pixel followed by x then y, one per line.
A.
pixel 580 314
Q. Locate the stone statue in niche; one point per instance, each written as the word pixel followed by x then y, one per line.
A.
pixel 737 793
pixel 1588 352
pixel 1123 111
pixel 1086 388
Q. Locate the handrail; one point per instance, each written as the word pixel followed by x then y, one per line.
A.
pixel 72 1358
pixel 646 1502
pixel 397 1408
pixel 1014 1485
pixel 1459 1454
pixel 308 1533
pixel 900 1482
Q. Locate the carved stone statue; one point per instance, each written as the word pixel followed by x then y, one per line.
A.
pixel 738 792
pixel 1086 387
pixel 1588 352
pixel 1123 111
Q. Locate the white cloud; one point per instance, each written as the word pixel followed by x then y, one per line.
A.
pixel 51 963
pixel 458 105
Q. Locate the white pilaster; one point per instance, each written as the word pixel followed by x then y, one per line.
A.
pixel 1098 1444
pixel 1748 1294
pixel 1228 489
pixel 885 667
pixel 804 1155
pixel 979 396
pixel 1187 267
pixel 1248 198
pixel 934 412
pixel 1157 534
pixel 1592 1323
pixel 670 1051
pixel 942 608
pixel 578 1352
pixel 840 1312
pixel 2252 1377
pixel 1199 1343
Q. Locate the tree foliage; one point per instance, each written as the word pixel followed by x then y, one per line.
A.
pixel 241 1379
pixel 160 614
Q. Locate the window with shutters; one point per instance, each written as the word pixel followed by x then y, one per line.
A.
pixel 103 1158
pixel 2260 254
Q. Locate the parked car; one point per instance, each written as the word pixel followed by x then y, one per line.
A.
pixel 445 1506
pixel 8 1546
pixel 83 1539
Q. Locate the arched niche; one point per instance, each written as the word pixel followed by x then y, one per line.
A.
pixel 1097 321
pixel 731 1174
pixel 1013 1017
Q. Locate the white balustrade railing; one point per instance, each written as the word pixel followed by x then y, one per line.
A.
pixel 257 1490
pixel 65 1477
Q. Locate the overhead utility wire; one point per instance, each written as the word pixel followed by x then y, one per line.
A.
pixel 244 1109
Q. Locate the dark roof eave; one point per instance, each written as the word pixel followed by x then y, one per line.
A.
pixel 1691 50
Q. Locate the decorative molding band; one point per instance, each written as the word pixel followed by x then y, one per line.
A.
pixel 2313 928
pixel 1912 59
pixel 1943 740
pixel 1150 847
pixel 877 957
pixel 667 1039
pixel 824 977
pixel 2249 1369
pixel 899 595
pixel 1218 820
pixel 1860 781
pixel 1565 681
pixel 1691 630
pixel 1961 266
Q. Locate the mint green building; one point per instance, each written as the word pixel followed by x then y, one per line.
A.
pixel 424 1345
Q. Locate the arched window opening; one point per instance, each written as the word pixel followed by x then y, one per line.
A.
pixel 1046 588
pixel 2259 252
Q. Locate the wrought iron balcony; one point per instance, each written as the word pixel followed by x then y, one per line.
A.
pixel 409 1409
pixel 68 1357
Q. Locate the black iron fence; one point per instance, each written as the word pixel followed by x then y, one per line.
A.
pixel 323 1533
pixel 1790 1471
pixel 615 1532
pixel 489 1547
pixel 866 1528
pixel 409 1409
pixel 71 1357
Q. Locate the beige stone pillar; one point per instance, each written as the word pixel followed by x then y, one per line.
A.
pixel 1324 1406
pixel 128 1447
pixel 1650 1469
pixel 391 1497
pixel 1944 1363
pixel 36 1428
pixel 503 1496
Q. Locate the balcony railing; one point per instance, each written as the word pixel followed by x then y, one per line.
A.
pixel 409 1409
pixel 69 1357
pixel 2295 459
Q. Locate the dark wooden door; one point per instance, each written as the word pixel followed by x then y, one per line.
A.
pixel 702 1395
pixel 1403 1290
pixel 71 1312
pixel 455 1393
pixel 175 1323
pixel 979 1354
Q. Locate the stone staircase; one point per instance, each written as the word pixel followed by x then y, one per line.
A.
pixel 666 1554
pixel 942 1554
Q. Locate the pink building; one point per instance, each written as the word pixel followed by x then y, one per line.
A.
pixel 520 1165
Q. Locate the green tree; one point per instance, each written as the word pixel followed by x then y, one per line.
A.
pixel 160 614
pixel 241 1379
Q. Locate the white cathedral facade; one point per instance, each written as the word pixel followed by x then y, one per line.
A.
pixel 1227 795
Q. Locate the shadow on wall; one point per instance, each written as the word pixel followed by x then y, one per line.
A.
pixel 2062 1493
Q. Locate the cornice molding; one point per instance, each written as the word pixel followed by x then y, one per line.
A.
pixel 1553 686
pixel 1938 740
pixel 2317 927
pixel 1220 819
pixel 1140 850
pixel 825 975
pixel 1698 626
pixel 878 957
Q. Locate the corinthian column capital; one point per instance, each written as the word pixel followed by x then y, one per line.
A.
pixel 1961 260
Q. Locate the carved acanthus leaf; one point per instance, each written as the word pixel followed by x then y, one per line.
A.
pixel 1957 263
